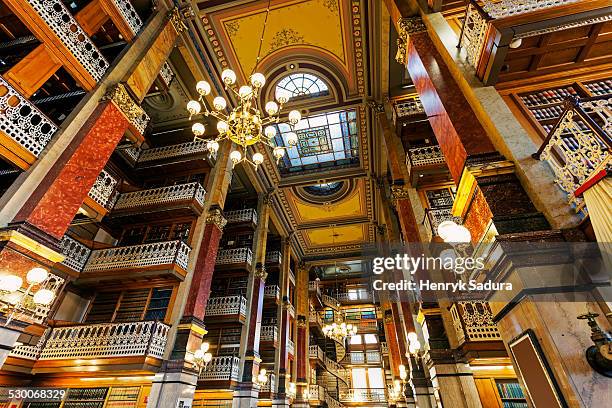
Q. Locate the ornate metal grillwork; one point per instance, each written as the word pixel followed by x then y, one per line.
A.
pixel 134 256
pixel 269 333
pixel 31 352
pixel 473 321
pixel 435 216
pixel 224 368
pixel 22 121
pixel 272 292
pixel 173 151
pixel 76 253
pixel 506 8
pixel 238 216
pixel 166 73
pixel 106 340
pixel 234 256
pixel 103 190
pixel 129 14
pixel 474 32
pixel 290 347
pixel 363 395
pixel 274 257
pixel 579 144
pixel 70 33
pixel 408 107
pixel 226 305
pixel 162 195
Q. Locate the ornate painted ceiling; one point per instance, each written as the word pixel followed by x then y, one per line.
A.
pixel 324 38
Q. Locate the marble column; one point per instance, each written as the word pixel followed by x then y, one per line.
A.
pixel 247 391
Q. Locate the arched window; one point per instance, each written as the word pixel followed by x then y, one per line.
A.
pixel 301 85
pixel 324 189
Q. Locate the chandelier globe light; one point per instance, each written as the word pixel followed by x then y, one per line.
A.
pixel 340 331
pixel 248 123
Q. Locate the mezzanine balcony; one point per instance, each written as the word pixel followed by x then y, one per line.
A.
pixel 173 201
pixel 290 347
pixel 272 293
pixel 226 308
pixel 422 161
pixel 367 357
pixel 234 258
pixel 354 297
pixel 105 346
pixel 274 258
pixel 220 372
pixel 269 334
pixel 579 145
pixel 166 258
pixel 102 195
pixel 24 129
pixel 360 395
pixel 172 157
pixel 247 216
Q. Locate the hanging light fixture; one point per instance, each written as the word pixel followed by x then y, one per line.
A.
pixel 14 301
pixel 247 124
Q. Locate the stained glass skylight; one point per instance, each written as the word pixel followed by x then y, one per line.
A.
pixel 324 140
pixel 300 85
pixel 324 189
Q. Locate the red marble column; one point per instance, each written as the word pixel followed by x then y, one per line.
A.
pixel 452 119
pixel 395 355
pixel 407 220
pixel 302 350
pixel 199 290
pixel 254 321
pixel 57 199
pixel 283 362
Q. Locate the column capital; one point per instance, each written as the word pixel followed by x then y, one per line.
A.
pixel 215 216
pixel 176 19
pixel 377 107
pixel 121 98
pixel 398 192
pixel 407 26
pixel 260 272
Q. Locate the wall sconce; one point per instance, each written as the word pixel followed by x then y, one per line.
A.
pixel 599 356
pixel 201 357
pixel 14 301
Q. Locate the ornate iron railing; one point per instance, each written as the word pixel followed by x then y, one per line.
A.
pixel 407 107
pixel 234 256
pixel 348 297
pixel 384 349
pixel 166 73
pixel 226 305
pixel 424 156
pixel 473 321
pixel 269 386
pixel 76 253
pixel 474 31
pixel 135 256
pixel 290 347
pixel 579 144
pixel 161 196
pixel 330 301
pixel 272 292
pixel 506 8
pixel 129 14
pixel 170 152
pixel 363 395
pixel 103 191
pixel 239 216
pixel 22 121
pixel 274 257
pixel 29 352
pixel 104 340
pixel 70 33
pixel 223 368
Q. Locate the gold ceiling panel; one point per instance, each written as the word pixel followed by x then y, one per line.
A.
pixel 340 235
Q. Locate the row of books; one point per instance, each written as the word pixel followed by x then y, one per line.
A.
pixel 510 390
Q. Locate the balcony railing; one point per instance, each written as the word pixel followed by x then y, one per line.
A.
pixel 274 257
pixel 350 297
pixel 270 386
pixel 363 395
pixel 330 301
pixel 240 216
pixel 224 368
pixel 129 14
pixel 579 144
pixel 272 292
pixel 139 256
pixel 103 191
pixel 162 196
pixel 315 352
pixel 106 340
pixel 384 349
pixel 234 256
pixel 167 152
pixel 290 347
pixel 424 156
pixel 166 73
pixel 76 253
pixel 473 321
pixel 407 107
pixel 226 305
pixel 315 287
pixel 435 216
pixel 62 23
pixel 506 8
pixel 269 333
pixel 22 121
pixel 314 317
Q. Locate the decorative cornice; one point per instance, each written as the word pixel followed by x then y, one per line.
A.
pixel 215 216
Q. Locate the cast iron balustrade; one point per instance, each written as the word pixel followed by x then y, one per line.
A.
pixel 290 347
pixel 22 121
pixel 161 196
pixel 129 14
pixel 354 297
pixel 407 107
pixel 473 321
pixel 166 73
pixel 579 144
pixel 240 216
pixel 76 253
pixel 272 292
pixel 59 19
pixel 139 256
pixel 369 357
pixel 330 301
pixel 363 395
pixel 269 333
pixel 274 257
pixel 223 368
pixel 384 349
pixel 234 256
pixel 104 340
pixel 30 352
pixel 226 305
pixel 103 191
pixel 424 156
pixel 143 156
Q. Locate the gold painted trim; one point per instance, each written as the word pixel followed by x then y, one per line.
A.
pixel 193 327
pixel 31 245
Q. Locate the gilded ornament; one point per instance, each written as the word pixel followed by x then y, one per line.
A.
pixel 120 96
pixel 260 272
pixel 215 216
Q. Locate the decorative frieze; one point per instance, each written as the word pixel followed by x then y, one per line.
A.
pixel 22 121
pixel 75 39
pixel 104 340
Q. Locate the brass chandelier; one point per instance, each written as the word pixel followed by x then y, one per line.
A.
pixel 246 124
pixel 339 332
